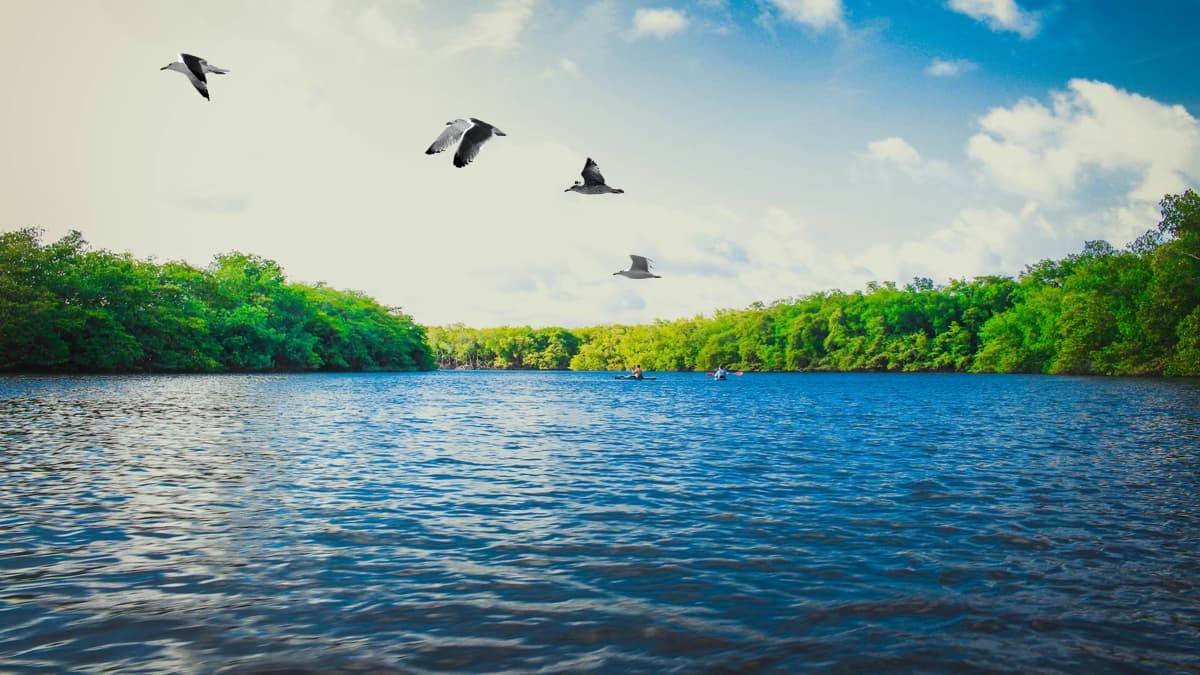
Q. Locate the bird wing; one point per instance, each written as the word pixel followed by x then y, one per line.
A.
pixel 591 173
pixel 449 136
pixel 472 141
pixel 195 66
pixel 200 85
pixel 209 68
pixel 640 263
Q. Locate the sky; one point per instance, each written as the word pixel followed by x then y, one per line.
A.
pixel 768 148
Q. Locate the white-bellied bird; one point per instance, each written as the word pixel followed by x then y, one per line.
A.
pixel 639 268
pixel 197 70
pixel 474 133
pixel 593 182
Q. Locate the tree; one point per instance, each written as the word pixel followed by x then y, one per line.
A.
pixel 66 307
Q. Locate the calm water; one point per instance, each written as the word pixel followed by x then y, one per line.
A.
pixel 571 522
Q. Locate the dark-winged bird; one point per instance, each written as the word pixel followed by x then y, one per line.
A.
pixel 196 70
pixel 474 133
pixel 638 269
pixel 593 182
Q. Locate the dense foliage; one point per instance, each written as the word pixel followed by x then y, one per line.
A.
pixel 523 348
pixel 1102 311
pixel 65 307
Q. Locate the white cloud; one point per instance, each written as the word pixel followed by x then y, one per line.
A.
pixel 893 149
pixel 659 23
pixel 565 67
pixel 816 14
pixel 497 28
pixel 978 241
pixel 894 152
pixel 380 29
pixel 999 15
pixel 1118 225
pixel 775 255
pixel 949 67
pixel 1092 129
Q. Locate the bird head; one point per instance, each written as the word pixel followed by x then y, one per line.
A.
pixel 576 185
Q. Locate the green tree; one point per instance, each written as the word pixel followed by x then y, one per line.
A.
pixel 66 307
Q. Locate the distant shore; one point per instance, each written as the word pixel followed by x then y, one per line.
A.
pixel 65 307
pixel 1102 311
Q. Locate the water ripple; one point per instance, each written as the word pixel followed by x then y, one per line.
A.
pixel 569 522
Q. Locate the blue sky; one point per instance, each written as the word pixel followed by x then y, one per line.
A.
pixel 769 148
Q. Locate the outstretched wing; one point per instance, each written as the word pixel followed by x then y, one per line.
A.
pixel 591 173
pixel 449 136
pixel 195 66
pixel 472 141
pixel 640 263
pixel 209 68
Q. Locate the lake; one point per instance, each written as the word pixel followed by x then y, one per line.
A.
pixel 573 522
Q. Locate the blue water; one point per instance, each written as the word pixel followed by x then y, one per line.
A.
pixel 571 522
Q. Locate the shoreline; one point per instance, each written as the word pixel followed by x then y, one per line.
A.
pixel 566 371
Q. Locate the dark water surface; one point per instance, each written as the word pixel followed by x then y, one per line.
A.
pixel 571 522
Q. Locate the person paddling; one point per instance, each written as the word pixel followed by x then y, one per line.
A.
pixel 636 373
pixel 720 372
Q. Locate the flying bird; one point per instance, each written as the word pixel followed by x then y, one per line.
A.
pixel 593 182
pixel 474 133
pixel 638 269
pixel 196 70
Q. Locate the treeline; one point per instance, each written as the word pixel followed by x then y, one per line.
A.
pixel 507 348
pixel 65 307
pixel 1101 311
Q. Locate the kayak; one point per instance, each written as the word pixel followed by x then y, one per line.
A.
pixel 630 377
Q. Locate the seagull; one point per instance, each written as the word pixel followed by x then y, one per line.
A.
pixel 474 133
pixel 639 269
pixel 195 68
pixel 593 182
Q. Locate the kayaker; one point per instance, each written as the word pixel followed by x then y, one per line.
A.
pixel 719 374
pixel 637 372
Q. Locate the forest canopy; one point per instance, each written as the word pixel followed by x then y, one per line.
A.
pixel 66 307
pixel 1101 311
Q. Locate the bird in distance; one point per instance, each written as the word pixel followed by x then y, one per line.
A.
pixel 639 268
pixel 593 182
pixel 197 70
